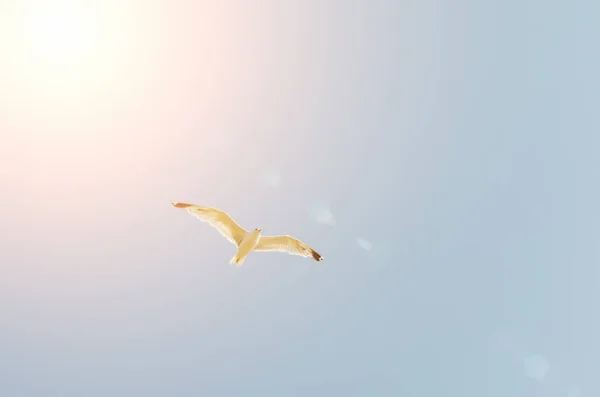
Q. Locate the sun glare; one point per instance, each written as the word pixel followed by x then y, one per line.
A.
pixel 61 32
pixel 67 49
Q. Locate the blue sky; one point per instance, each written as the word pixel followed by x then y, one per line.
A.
pixel 459 138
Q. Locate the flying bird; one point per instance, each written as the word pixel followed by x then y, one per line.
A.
pixel 247 241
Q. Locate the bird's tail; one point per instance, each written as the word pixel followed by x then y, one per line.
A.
pixel 236 260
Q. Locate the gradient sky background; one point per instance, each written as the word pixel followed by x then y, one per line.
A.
pixel 460 138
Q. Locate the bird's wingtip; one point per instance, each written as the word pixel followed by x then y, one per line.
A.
pixel 316 256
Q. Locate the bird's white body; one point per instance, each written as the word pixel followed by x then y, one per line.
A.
pixel 247 241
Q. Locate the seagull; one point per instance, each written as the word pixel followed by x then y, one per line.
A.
pixel 247 241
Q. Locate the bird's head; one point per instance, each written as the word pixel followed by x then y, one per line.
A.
pixel 258 230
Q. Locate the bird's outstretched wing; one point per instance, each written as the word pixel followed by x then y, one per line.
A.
pixel 287 244
pixel 218 219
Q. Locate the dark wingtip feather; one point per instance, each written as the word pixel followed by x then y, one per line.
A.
pixel 180 205
pixel 316 256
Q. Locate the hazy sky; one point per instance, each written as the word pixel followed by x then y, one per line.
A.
pixel 457 140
